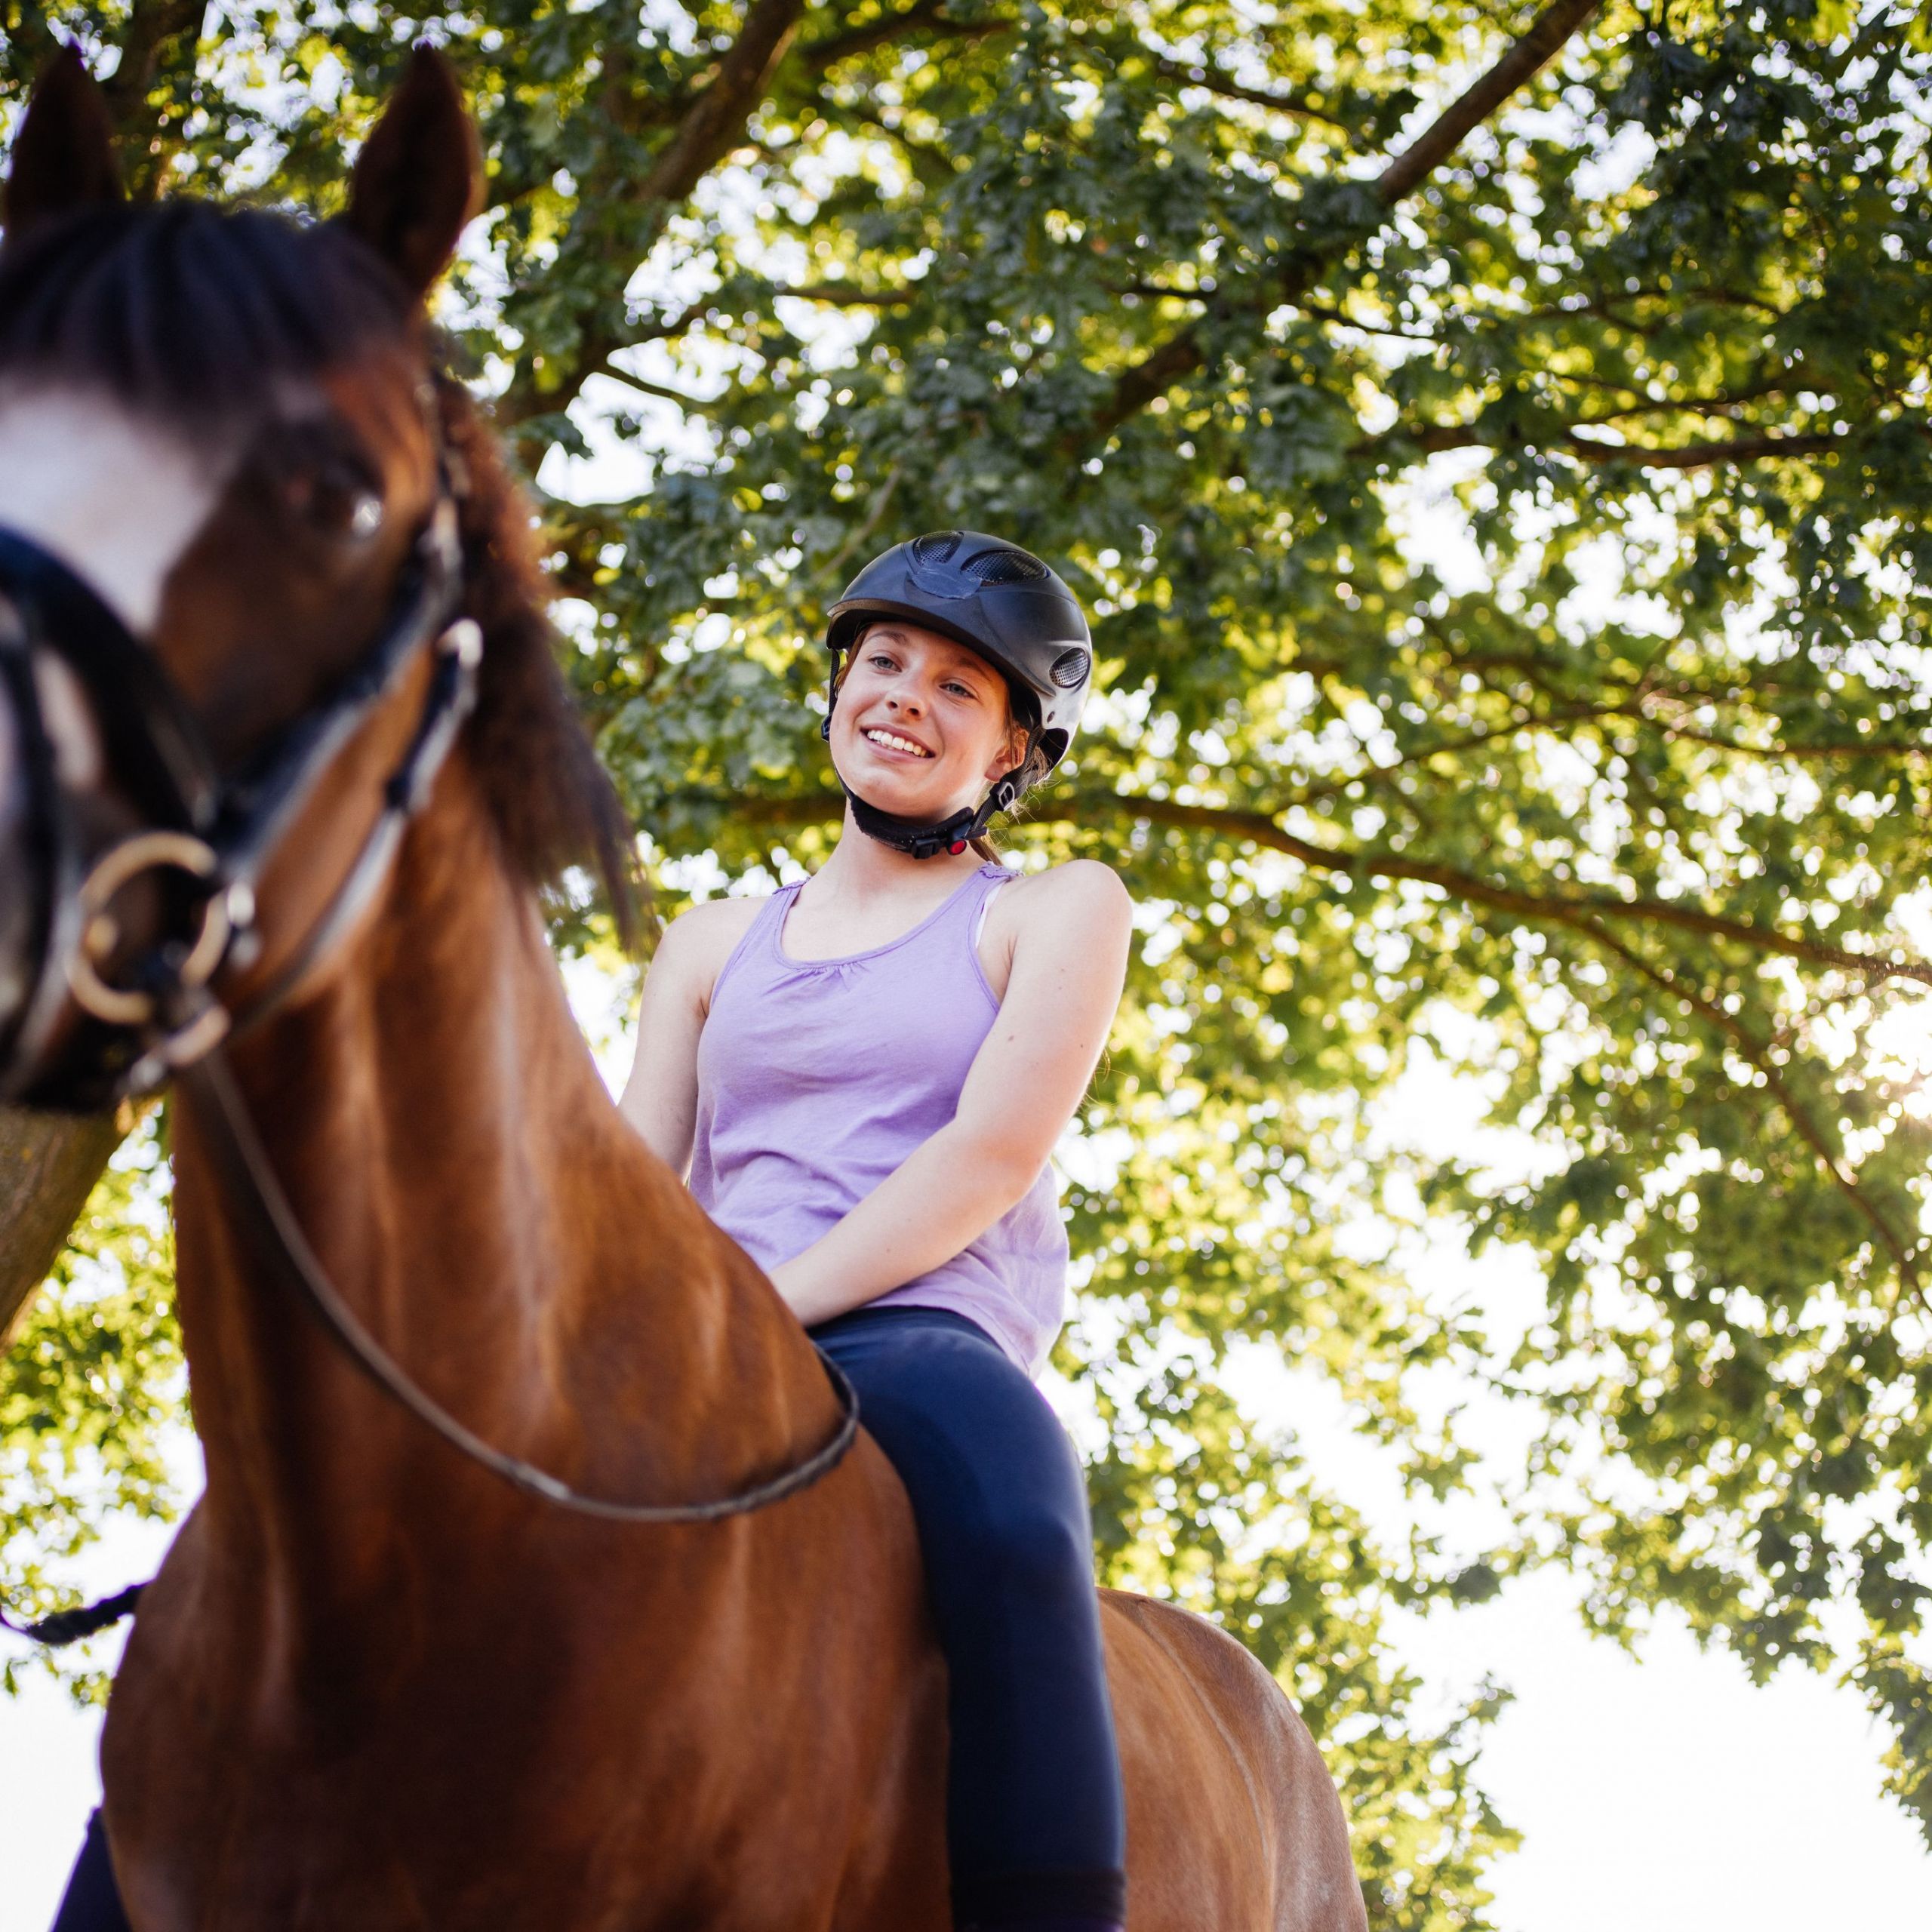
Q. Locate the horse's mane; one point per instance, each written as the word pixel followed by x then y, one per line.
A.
pixel 194 313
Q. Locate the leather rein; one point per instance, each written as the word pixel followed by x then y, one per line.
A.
pixel 216 835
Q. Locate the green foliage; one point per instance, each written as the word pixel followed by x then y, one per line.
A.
pixel 1508 566
pixel 93 1386
pixel 1192 1502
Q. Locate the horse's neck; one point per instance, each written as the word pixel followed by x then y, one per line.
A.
pixel 447 1145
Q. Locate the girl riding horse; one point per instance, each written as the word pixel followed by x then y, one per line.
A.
pixel 540 1581
pixel 865 1075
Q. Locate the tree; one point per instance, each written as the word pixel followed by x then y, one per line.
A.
pixel 94 1384
pixel 1491 443
pixel 48 1163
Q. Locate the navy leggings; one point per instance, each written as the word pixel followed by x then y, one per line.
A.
pixel 1034 1813
pixel 1035 1817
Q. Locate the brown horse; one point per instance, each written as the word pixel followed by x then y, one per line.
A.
pixel 374 1686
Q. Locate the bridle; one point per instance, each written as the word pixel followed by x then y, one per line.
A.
pixel 208 839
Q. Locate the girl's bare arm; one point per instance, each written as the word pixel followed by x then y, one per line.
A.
pixel 659 1098
pixel 1069 962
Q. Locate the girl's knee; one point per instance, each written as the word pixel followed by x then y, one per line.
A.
pixel 1033 1553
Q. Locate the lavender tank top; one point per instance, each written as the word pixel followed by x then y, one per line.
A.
pixel 816 1079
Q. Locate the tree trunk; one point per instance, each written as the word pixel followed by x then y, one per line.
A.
pixel 48 1165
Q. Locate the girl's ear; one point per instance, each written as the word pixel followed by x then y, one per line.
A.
pixel 1012 750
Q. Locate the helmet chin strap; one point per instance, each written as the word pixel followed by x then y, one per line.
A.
pixel 922 839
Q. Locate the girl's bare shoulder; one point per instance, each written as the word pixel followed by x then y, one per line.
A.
pixel 1078 891
pixel 1082 897
pixel 697 942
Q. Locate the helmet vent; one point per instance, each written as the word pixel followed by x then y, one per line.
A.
pixel 1004 566
pixel 935 548
pixel 1070 669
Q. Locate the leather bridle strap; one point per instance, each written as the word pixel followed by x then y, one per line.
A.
pixel 220 833
pixel 251 1182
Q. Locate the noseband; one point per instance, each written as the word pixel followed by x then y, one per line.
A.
pixel 210 839
pixel 206 838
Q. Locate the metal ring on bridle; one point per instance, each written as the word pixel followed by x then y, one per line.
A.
pixel 146 851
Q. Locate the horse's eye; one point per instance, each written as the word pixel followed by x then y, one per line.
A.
pixel 324 482
pixel 337 497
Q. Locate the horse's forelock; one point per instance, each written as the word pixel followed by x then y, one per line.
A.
pixel 197 318
pixel 188 312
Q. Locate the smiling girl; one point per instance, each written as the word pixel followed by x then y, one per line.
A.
pixel 864 1075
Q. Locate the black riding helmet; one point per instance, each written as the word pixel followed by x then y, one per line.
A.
pixel 1003 603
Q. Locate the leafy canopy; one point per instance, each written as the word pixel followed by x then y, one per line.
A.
pixel 1491 443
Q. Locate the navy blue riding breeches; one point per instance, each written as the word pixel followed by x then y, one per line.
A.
pixel 1036 1821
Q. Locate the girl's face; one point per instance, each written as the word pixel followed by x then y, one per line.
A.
pixel 922 725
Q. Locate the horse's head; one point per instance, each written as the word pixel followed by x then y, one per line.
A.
pixel 225 456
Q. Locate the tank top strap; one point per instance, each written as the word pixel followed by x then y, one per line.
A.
pixel 991 877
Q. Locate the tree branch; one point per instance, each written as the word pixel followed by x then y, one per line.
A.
pixel 48 1165
pixel 820 54
pixel 840 295
pixel 1752 1049
pixel 1211 80
pixel 1851 749
pixel 1641 404
pixel 28 42
pixel 1544 40
pixel 1431 439
pixel 1181 355
pixel 1258 828
pixel 1700 456
pixel 716 120
pixel 712 126
pixel 152 32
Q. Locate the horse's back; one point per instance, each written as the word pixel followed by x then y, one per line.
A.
pixel 1233 1822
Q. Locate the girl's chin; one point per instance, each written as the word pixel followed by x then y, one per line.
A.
pixel 899 790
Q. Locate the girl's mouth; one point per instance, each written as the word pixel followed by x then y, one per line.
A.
pixel 877 735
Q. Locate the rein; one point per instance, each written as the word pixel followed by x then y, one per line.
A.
pixel 246 1162
pixel 219 836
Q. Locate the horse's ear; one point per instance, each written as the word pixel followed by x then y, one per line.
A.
pixel 420 176
pixel 63 155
